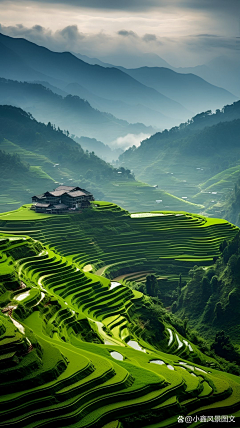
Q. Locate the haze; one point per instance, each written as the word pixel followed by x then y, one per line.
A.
pixel 184 33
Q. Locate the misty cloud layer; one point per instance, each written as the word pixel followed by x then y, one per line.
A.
pixel 124 42
pixel 183 32
pixel 129 140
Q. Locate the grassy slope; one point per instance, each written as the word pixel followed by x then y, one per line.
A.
pixel 86 320
pixel 181 159
pixel 131 194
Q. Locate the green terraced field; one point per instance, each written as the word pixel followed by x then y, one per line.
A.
pixel 71 353
pixel 45 174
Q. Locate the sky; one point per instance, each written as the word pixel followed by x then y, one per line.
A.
pixel 182 32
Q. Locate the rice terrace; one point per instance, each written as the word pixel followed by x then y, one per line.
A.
pixel 81 349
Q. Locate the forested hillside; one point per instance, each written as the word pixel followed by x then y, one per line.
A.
pixel 26 61
pixel 56 157
pixel 67 112
pixel 216 302
pixel 199 160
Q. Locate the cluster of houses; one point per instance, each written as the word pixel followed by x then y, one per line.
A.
pixel 62 200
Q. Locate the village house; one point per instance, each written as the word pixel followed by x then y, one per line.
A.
pixel 61 200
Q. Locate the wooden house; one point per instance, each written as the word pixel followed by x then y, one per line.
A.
pixel 62 200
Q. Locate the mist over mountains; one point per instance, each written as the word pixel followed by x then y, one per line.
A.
pixel 222 71
pixel 156 97
pixel 69 112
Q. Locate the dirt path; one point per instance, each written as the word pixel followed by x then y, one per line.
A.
pixel 100 271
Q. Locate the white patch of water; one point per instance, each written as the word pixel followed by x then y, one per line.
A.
pixel 18 325
pixel 117 356
pixel 147 215
pixel 170 367
pixel 180 344
pixel 135 345
pixel 160 362
pixel 171 336
pixel 186 365
pixel 188 345
pixel 22 296
pixel 87 268
pixel 114 284
pixel 42 297
pixel 200 370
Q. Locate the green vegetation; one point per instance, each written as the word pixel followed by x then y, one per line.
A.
pixel 197 161
pixel 215 306
pixel 49 157
pixel 231 208
pixel 79 350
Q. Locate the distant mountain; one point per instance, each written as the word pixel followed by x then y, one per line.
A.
pixel 188 89
pixel 127 60
pixel 121 109
pixel 222 71
pixel 93 61
pixel 70 112
pixel 100 149
pixel 60 69
pixel 52 88
pixel 12 66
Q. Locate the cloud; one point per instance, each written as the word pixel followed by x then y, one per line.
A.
pixel 68 38
pixel 129 140
pixel 211 42
pixel 146 38
pixel 127 47
pixel 149 38
pixel 71 32
pixel 126 33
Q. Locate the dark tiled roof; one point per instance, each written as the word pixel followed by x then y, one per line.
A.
pixel 39 196
pixel 72 191
pixel 57 192
pixel 38 205
pixel 66 188
pixel 76 193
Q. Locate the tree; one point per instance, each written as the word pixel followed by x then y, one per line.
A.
pixel 151 285
pixel 223 347
pixel 206 288
pixel 214 283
